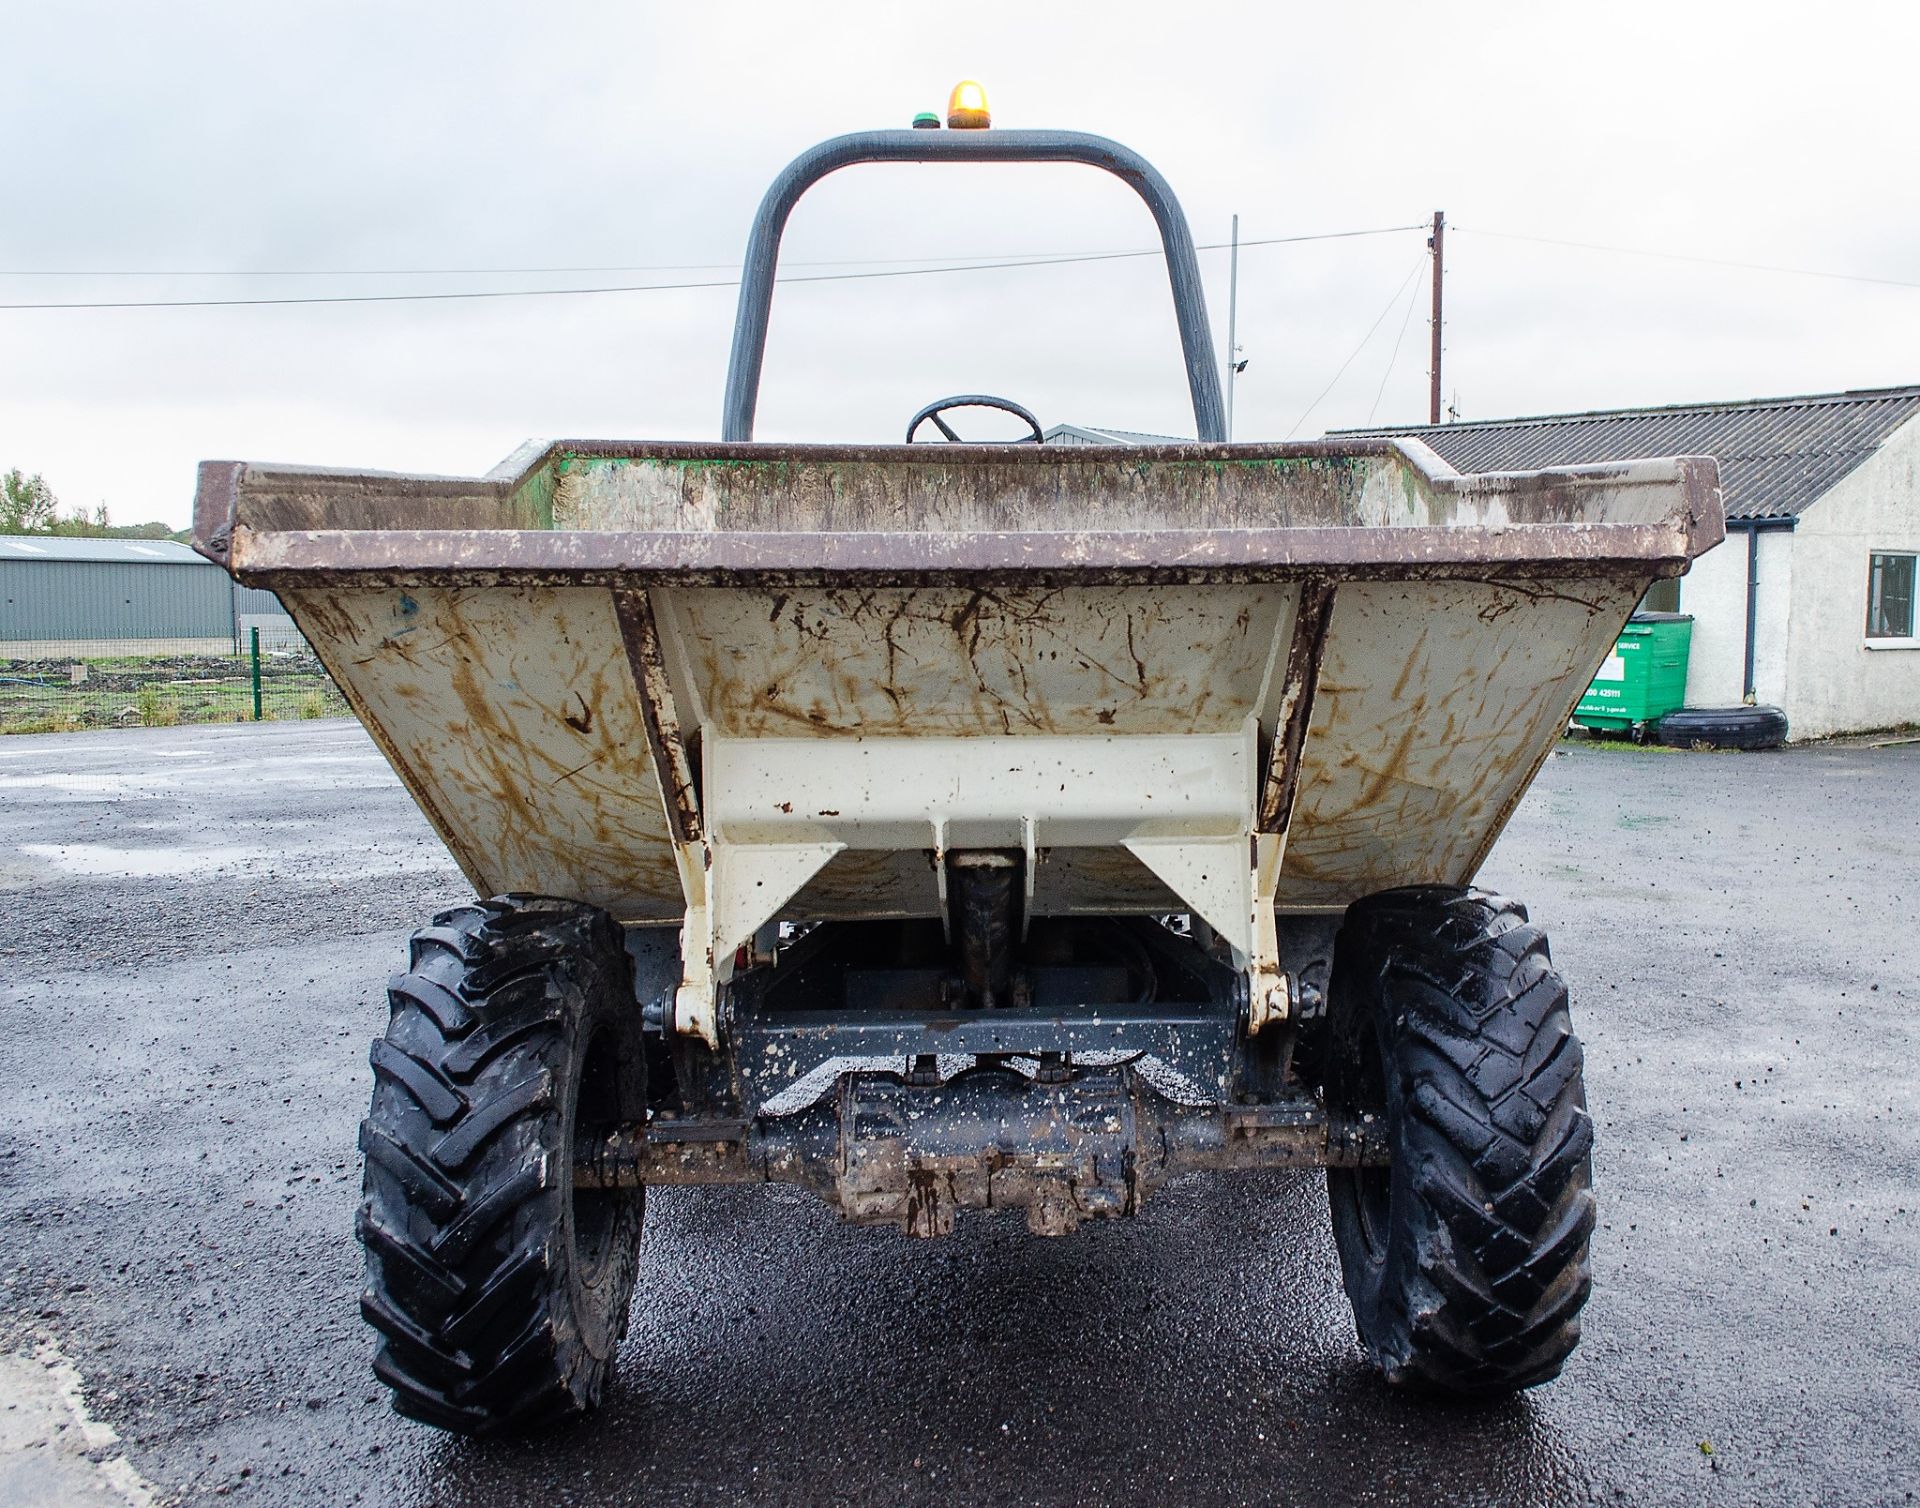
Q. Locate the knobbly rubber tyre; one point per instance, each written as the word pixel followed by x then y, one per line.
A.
pixel 1466 1260
pixel 499 1291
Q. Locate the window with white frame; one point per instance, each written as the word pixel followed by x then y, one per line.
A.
pixel 1890 596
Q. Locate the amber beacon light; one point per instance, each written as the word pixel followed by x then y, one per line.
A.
pixel 967 107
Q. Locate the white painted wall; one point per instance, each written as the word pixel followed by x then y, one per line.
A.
pixel 1775 627
pixel 1837 684
pixel 1715 592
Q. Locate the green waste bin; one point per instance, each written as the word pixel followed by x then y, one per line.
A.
pixel 1643 679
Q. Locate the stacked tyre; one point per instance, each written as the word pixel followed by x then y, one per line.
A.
pixel 1724 728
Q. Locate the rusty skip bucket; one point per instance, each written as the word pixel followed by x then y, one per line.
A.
pixel 724 684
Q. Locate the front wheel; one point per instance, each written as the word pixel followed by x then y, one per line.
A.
pixel 1466 1259
pixel 499 1290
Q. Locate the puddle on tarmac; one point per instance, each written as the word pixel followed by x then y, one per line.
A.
pixel 95 859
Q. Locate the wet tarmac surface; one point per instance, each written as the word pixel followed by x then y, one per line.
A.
pixel 197 928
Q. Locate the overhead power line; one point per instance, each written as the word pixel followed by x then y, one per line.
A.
pixel 1378 320
pixel 946 264
pixel 1681 256
pixel 891 271
pixel 421 272
pixel 1405 320
pixel 883 267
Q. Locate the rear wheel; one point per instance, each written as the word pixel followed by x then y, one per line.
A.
pixel 1466 1260
pixel 499 1290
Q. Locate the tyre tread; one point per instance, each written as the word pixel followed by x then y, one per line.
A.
pixel 1490 1134
pixel 462 1215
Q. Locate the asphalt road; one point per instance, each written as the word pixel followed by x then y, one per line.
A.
pixel 197 927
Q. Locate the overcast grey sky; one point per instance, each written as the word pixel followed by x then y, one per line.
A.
pixel 249 137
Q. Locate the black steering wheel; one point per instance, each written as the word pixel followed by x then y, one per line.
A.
pixel 939 406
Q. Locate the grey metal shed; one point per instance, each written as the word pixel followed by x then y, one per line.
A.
pixel 105 596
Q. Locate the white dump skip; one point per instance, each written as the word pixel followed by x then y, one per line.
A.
pixel 716 686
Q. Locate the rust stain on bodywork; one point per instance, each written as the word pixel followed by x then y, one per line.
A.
pixel 1407 641
pixel 511 717
pixel 640 636
pixel 1307 647
pixel 1430 718
pixel 907 661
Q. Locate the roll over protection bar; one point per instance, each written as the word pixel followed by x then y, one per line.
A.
pixel 763 245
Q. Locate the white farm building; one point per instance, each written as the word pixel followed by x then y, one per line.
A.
pixel 1809 605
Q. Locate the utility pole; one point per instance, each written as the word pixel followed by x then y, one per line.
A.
pixel 1436 244
pixel 1233 320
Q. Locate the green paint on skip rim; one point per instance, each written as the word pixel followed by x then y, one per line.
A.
pixel 768 466
pixel 778 470
pixel 1410 488
pixel 532 501
pixel 1280 465
pixel 785 470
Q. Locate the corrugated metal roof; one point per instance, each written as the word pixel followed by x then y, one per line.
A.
pixel 119 551
pixel 1777 455
pixel 1082 434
